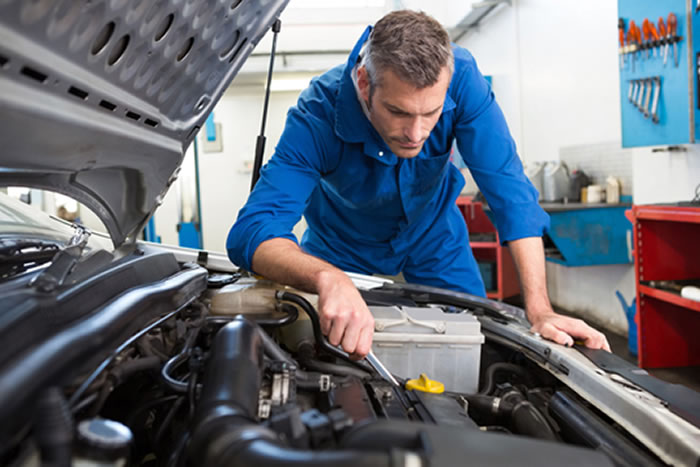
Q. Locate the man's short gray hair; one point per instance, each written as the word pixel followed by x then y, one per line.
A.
pixel 411 44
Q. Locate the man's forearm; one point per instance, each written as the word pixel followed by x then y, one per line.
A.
pixel 281 260
pixel 528 254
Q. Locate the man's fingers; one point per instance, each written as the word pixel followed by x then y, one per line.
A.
pixel 338 325
pixel 351 335
pixel 364 343
pixel 551 332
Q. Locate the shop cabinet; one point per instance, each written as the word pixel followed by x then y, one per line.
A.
pixel 495 261
pixel 667 252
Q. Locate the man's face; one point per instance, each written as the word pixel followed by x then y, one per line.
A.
pixel 402 114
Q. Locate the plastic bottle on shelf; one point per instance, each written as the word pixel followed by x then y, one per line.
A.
pixel 612 190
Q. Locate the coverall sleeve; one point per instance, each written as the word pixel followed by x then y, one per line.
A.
pixel 285 185
pixel 489 152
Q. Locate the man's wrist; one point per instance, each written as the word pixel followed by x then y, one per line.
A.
pixel 537 308
pixel 328 277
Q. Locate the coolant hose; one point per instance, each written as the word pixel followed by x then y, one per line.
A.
pixel 316 325
pixel 226 431
pixel 304 379
pixel 490 377
pixel 53 429
pixel 526 418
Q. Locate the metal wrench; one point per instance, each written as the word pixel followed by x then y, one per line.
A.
pixel 381 369
pixel 629 93
pixel 655 104
pixel 640 97
pixel 647 98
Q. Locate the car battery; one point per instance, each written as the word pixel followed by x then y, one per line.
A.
pixel 444 346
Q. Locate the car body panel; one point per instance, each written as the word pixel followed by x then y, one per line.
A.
pixel 99 100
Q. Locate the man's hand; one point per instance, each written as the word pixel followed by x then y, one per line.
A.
pixel 563 330
pixel 344 315
pixel 345 318
pixel 528 254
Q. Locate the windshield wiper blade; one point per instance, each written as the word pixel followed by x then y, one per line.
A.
pixel 63 262
pixel 17 256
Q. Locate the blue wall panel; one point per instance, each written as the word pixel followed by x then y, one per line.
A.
pixel 674 100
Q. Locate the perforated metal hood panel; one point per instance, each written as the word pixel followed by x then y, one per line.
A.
pixel 100 99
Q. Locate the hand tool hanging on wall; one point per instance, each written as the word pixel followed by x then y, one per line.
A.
pixel 642 90
pixel 621 29
pixel 662 33
pixel 631 90
pixel 631 41
pixel 647 98
pixel 655 37
pixel 655 104
pixel 646 29
pixel 638 40
pixel 672 30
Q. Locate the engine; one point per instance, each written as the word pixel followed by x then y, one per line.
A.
pixel 243 376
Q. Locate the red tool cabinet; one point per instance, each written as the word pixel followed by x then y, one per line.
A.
pixel 487 248
pixel 666 248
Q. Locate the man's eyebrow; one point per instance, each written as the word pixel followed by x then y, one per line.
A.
pixel 393 108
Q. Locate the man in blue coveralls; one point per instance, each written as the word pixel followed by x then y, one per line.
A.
pixel 365 158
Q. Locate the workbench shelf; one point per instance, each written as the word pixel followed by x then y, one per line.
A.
pixel 669 297
pixel 495 260
pixel 667 248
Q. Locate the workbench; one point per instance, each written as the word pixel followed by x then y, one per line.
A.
pixel 588 234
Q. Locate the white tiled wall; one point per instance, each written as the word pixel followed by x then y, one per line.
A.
pixel 601 160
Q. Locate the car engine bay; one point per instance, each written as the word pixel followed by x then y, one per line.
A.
pixel 246 378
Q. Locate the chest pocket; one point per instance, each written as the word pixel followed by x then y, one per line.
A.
pixel 364 184
pixel 420 179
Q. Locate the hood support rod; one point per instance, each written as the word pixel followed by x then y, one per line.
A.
pixel 260 142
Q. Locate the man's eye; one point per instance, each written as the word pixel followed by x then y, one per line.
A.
pixel 398 112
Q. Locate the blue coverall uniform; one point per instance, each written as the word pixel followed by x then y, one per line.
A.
pixel 369 211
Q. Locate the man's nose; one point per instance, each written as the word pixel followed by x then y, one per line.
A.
pixel 414 130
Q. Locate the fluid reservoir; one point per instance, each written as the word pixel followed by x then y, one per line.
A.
pixel 103 443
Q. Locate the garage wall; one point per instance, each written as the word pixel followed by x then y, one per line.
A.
pixel 225 176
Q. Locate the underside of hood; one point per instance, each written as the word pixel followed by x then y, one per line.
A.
pixel 100 99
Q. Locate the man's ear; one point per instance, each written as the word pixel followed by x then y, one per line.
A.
pixel 363 83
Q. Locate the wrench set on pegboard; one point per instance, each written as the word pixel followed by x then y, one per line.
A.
pixel 659 66
pixel 644 94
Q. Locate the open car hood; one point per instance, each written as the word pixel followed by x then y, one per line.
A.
pixel 99 100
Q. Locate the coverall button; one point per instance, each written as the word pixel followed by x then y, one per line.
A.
pixel 381 153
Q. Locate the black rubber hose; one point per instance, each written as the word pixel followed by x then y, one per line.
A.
pixel 121 373
pixel 53 429
pixel 490 377
pixel 318 334
pixel 226 431
pixel 168 368
pixel 527 420
pixel 525 417
pixel 305 354
pixel 304 379
pixel 580 425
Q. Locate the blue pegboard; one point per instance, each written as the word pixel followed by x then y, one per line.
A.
pixel 676 102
